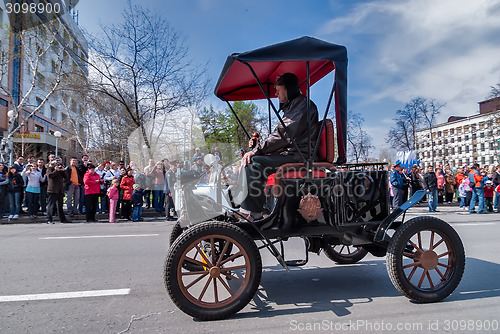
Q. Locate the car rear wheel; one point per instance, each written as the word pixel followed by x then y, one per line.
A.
pixel 343 254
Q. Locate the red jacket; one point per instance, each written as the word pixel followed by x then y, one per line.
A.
pixel 92 183
pixel 127 185
pixel 459 178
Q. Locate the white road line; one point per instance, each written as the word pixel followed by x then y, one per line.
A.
pixel 471 224
pixel 101 236
pixel 65 295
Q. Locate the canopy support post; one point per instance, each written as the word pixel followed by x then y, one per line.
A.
pixel 316 147
pixel 275 111
pixel 237 118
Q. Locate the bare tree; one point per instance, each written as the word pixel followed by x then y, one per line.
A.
pixel 142 66
pixel 430 110
pixel 359 143
pixel 417 114
pixel 495 91
pixel 30 52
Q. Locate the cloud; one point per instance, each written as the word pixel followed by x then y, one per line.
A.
pixel 447 49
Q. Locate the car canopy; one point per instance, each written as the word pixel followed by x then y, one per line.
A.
pixel 237 82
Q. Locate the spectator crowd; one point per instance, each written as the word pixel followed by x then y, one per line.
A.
pixel 475 188
pixel 36 187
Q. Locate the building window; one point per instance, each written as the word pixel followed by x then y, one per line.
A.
pixel 491 160
pixel 38 128
pixel 473 127
pixel 466 128
pixel 53 113
pixel 481 125
pixel 467 149
pixel 445 133
pixel 452 131
pixel 483 161
pixel 440 133
pixel 481 135
pixel 466 137
pixel 482 147
pixel 492 146
pixel 459 139
pixel 460 162
pixel 40 80
pixel 459 150
pixel 3 102
pixel 452 140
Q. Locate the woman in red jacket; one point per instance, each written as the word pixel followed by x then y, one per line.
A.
pixel 92 183
pixel 127 185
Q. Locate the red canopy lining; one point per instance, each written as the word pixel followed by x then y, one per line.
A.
pixel 239 83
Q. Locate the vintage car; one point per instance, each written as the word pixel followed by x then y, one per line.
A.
pixel 213 267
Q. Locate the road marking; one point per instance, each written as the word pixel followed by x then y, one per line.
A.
pixel 65 295
pixel 102 236
pixel 471 224
pixel 478 291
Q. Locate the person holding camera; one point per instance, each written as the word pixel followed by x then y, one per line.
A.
pixel 55 190
pixel 34 177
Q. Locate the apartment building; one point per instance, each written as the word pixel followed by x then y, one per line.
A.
pixel 463 140
pixel 67 52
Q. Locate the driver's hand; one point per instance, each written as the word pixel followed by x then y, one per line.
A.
pixel 247 157
pixel 252 142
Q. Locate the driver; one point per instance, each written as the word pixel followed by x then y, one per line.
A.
pixel 277 149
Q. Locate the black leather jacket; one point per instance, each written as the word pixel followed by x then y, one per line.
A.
pixel 430 181
pixel 295 118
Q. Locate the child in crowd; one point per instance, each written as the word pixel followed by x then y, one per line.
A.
pixel 463 188
pixel 488 196
pixel 113 194
pixel 137 200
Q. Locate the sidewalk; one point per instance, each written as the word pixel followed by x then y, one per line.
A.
pixel 422 208
pixel 147 214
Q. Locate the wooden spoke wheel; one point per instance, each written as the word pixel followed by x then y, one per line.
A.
pixel 425 259
pixel 213 270
pixel 344 254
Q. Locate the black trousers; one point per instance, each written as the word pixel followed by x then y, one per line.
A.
pixel 169 206
pixel 253 177
pixel 126 209
pixel 55 201
pixel 91 201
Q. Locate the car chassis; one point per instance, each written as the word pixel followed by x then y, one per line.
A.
pixel 213 267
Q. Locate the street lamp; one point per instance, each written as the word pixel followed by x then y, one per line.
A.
pixel 58 135
pixel 184 121
pixel 12 114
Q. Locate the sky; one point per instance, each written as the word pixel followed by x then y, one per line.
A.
pixel 447 50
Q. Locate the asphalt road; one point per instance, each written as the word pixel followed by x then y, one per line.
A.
pixel 107 278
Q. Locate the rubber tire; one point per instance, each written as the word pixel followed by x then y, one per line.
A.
pixel 175 233
pixel 342 258
pixel 204 230
pixel 394 259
